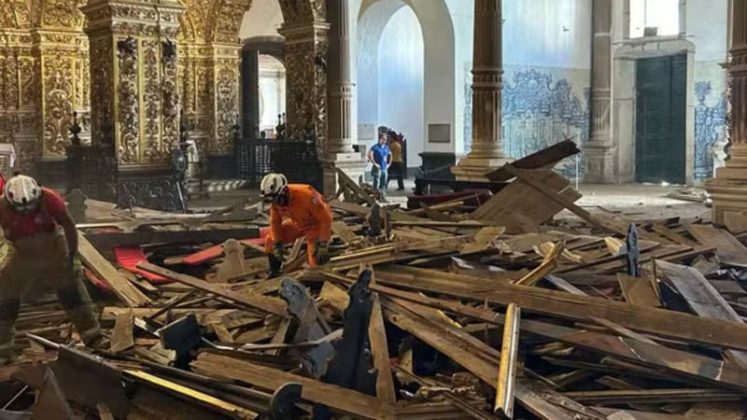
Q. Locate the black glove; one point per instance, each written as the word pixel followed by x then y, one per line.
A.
pixel 279 250
pixel 321 252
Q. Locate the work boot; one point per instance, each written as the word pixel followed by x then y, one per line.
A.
pixel 275 265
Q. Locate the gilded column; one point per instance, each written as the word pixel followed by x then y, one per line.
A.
pixel 197 87
pixel 600 151
pixel 225 67
pixel 339 151
pixel 134 78
pixel 58 56
pixel 728 189
pixel 19 96
pixel 487 149
pixel 306 69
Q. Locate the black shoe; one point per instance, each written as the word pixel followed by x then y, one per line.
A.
pixel 275 265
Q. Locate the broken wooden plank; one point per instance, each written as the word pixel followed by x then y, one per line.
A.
pixel 385 390
pixel 107 240
pixel 702 298
pixel 518 204
pixel 200 398
pixel 543 159
pixel 564 305
pixel 122 338
pixel 252 301
pixel 468 352
pixel 532 179
pixel 125 291
pixel 549 263
pixel 686 364
pixel 504 396
pixel 638 290
pixel 344 400
pixel 728 248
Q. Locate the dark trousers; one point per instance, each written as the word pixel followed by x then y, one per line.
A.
pixel 397 169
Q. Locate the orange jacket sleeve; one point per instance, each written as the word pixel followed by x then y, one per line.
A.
pixel 323 216
pixel 276 223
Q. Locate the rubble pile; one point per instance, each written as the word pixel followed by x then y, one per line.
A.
pixel 466 305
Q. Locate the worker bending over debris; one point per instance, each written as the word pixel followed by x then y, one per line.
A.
pixel 298 210
pixel 43 255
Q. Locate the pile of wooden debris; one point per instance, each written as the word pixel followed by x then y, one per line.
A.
pixel 461 308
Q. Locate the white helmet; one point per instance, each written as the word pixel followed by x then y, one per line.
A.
pixel 22 193
pixel 273 184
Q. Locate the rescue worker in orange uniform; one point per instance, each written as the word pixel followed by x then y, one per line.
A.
pixel 298 210
pixel 43 254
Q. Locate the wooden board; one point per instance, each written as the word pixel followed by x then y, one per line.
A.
pixel 122 338
pixel 728 248
pixel 467 351
pixel 385 390
pixel 678 362
pixel 565 305
pixel 545 158
pixel 519 201
pixel 125 291
pixel 702 298
pixel 252 301
pixel 638 290
pixel 344 400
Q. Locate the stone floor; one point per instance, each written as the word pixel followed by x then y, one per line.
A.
pixel 634 201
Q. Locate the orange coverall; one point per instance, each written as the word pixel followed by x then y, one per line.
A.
pixel 306 215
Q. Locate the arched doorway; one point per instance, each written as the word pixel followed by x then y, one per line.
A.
pixel 406 48
pixel 262 70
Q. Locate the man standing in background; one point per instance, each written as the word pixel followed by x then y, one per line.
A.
pixel 381 157
pixel 398 164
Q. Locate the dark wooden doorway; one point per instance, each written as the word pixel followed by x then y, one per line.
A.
pixel 661 102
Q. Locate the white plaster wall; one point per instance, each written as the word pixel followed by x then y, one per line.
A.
pixel 439 62
pixel 547 33
pixel 401 80
pixel 263 18
pixel 368 32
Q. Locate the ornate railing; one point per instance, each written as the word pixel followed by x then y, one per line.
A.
pixel 298 160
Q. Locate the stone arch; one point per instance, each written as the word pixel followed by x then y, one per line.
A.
pixel 211 39
pixel 227 15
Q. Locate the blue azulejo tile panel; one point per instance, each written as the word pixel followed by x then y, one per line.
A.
pixel 710 127
pixel 539 109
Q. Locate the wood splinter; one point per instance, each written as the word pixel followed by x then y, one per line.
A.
pixel 504 397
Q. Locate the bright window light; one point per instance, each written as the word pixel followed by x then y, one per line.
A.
pixel 661 14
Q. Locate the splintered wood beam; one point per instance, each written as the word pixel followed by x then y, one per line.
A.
pixel 341 399
pixel 604 222
pixel 384 379
pixel 639 290
pixel 122 338
pixel 565 305
pixel 122 288
pixel 703 299
pixel 252 301
pixel 472 354
pixel 200 398
pixel 549 263
pixel 728 248
pixel 504 397
pixel 677 363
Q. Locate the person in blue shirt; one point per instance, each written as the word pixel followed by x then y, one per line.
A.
pixel 381 157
